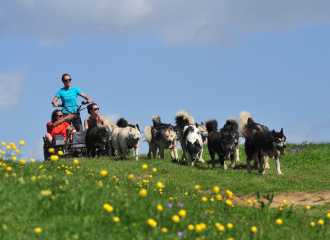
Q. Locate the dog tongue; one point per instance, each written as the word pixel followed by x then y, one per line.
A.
pixel 170 146
pixel 227 154
pixel 137 145
pixel 282 152
pixel 273 157
pixel 206 141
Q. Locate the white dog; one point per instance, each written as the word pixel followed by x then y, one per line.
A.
pixel 192 142
pixel 126 138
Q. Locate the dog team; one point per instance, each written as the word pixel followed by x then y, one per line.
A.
pixel 260 143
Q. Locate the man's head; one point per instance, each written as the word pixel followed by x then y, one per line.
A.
pixel 56 115
pixel 66 79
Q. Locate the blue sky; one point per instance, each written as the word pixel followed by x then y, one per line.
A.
pixel 138 59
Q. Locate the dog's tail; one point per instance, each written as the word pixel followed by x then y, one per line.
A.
pixel 122 123
pixel 147 133
pixel 232 122
pixel 156 120
pixel 211 125
pixel 183 118
pixel 110 125
pixel 244 119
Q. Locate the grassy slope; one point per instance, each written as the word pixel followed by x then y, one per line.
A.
pixel 75 210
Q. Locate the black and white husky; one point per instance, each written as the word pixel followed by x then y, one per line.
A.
pixel 261 143
pixel 193 143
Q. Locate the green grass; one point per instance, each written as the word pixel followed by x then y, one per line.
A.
pixel 74 209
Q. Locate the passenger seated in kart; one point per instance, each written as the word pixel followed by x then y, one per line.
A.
pixel 93 111
pixel 58 126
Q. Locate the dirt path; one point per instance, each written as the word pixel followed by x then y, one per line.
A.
pixel 300 198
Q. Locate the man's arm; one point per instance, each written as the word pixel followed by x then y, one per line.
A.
pixel 54 102
pixel 58 122
pixel 86 97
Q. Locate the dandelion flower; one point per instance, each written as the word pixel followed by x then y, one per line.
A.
pixel 8 147
pixel 104 173
pixel 33 178
pixel 219 197
pixel 284 201
pixel 191 227
pixel 308 207
pixel 212 199
pixel 116 219
pixel 228 202
pixel 176 218
pixel 22 161
pixel 328 215
pixel 292 202
pixel 281 209
pixel 3 143
pixel 198 228
pixel 51 150
pixel 46 192
pixel 144 166
pixel 21 143
pixel 279 221
pixel 160 185
pixel 130 177
pixel 221 228
pixel 32 160
pixel 182 213
pixel 17 151
pixel 320 222
pixel 160 208
pixel 254 229
pixel 9 169
pixel 60 152
pixel 216 189
pixel 154 170
pixel 143 192
pixel 312 224
pixel 203 225
pixel 164 230
pixel 204 199
pixel 196 186
pixel 152 223
pixel 54 158
pixel 37 230
pixel 248 201
pixel 230 225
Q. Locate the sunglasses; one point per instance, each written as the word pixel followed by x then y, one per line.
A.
pixel 67 80
pixel 60 115
pixel 96 109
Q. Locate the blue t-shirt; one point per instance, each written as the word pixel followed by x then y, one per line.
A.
pixel 69 98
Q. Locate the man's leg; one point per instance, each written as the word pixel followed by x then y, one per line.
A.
pixel 49 139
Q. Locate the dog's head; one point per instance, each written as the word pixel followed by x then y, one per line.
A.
pixel 169 135
pixel 202 128
pixel 134 135
pixel 228 143
pixel 102 137
pixel 279 141
pixel 194 147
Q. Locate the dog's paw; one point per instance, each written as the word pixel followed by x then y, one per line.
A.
pixel 267 167
pixel 224 167
pixel 237 160
pixel 280 173
pixel 200 161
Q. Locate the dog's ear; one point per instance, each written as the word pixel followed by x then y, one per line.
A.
pixel 170 127
pixel 273 133
pixel 282 131
pixel 197 125
pixel 202 123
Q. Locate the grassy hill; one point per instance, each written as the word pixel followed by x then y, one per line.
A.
pixel 102 198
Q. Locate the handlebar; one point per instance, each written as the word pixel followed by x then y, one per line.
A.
pixel 82 103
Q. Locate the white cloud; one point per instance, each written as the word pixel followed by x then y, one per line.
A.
pixel 10 89
pixel 220 21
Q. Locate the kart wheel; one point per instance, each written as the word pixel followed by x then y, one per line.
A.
pixel 45 153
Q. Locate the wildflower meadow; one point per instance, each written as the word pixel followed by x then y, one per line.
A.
pixel 109 198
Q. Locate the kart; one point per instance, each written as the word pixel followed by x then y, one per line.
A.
pixel 77 148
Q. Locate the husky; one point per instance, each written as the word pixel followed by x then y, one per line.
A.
pixel 126 138
pixel 231 127
pixel 221 143
pixel 96 138
pixel 162 136
pixel 248 129
pixel 203 131
pixel 261 143
pixel 192 142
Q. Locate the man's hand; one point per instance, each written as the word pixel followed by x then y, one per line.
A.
pixel 70 116
pixel 70 128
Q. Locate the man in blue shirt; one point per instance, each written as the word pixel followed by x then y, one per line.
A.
pixel 69 95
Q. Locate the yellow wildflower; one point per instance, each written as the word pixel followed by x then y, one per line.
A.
pixel 279 221
pixel 60 152
pixel 171 198
pixel 221 228
pixel 32 160
pixel 37 230
pixel 160 185
pixel 248 201
pixel 292 202
pixel 143 192
pixel 212 199
pixel 198 228
pixel 21 180
pixel 196 186
pixel 8 147
pixel 328 215
pixel 51 150
pixel 284 201
pixel 254 229
pixel 104 173
pixel 154 170
pixel 320 222
pixel 54 158
pixel 3 143
pixel 219 197
pixel 33 178
pixel 17 151
pixel 191 227
pixel 164 230
pixel 46 192
pixel 21 143
pixel 312 224
pixel 76 161
pixel 9 168
pixel 202 225
pixel 21 161
pixel 116 219
pixel 160 208
pixel 176 218
pixel 228 202
pixel 130 177
pixel 152 223
pixel 182 213
pixel 216 189
pixel 144 166
pixel 230 225
pixel 204 199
